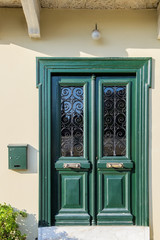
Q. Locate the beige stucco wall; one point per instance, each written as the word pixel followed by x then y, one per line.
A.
pixel 66 33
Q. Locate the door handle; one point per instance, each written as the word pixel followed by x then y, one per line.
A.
pixel 71 165
pixel 114 165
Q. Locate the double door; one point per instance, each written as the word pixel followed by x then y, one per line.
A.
pixel 93 150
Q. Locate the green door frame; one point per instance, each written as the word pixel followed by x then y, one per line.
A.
pixel 141 68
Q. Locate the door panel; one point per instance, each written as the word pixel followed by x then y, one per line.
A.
pixel 71 188
pixel 70 154
pixel 73 198
pixel 114 198
pixel 115 164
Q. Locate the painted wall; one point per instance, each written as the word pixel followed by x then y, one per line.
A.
pixel 66 33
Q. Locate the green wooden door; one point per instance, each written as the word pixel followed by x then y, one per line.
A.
pixel 93 136
pixel 115 149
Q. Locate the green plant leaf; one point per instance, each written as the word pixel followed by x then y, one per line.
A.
pixel 8 225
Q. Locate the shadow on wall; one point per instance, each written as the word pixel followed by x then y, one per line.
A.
pixel 28 226
pixel 54 234
pixel 32 159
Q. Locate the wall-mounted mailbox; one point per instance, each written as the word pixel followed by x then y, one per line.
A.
pixel 17 156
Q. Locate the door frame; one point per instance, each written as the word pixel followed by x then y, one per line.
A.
pixel 141 68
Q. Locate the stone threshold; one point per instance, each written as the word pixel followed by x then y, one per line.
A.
pixel 94 233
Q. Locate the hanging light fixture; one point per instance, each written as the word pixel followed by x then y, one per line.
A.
pixel 95 33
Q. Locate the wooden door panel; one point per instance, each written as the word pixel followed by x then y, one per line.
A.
pixel 115 163
pixel 70 192
pixel 114 198
pixel 73 198
pixel 70 138
pixel 113 191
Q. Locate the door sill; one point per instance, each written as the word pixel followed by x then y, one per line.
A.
pixel 94 233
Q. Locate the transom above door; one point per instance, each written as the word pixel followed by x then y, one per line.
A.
pixel 93 141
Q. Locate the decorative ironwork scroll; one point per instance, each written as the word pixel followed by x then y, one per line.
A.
pixel 71 121
pixel 114 136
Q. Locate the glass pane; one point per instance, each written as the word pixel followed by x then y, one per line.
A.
pixel 114 139
pixel 71 121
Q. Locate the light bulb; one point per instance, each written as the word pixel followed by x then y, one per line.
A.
pixel 96 34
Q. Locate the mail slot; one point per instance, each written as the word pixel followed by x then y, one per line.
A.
pixel 17 156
